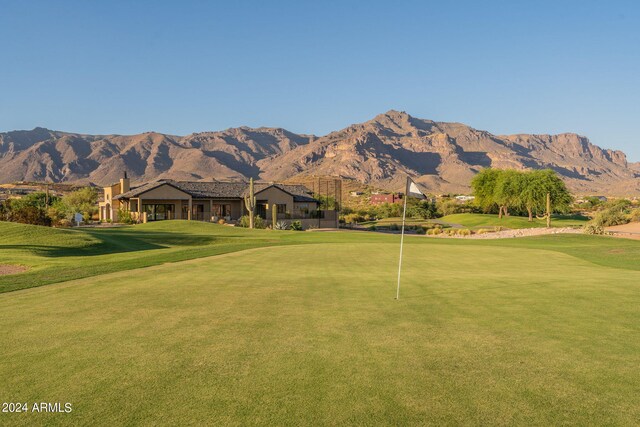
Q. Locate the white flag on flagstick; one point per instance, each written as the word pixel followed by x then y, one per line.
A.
pixel 412 190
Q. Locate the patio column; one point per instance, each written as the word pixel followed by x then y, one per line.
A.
pixel 139 210
pixel 190 207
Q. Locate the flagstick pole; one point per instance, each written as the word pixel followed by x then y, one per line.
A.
pixel 404 215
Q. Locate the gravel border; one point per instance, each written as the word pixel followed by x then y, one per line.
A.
pixel 521 232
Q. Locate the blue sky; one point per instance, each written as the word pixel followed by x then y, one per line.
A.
pixel 317 66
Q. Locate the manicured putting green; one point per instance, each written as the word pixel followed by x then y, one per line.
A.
pixel 486 220
pixel 310 334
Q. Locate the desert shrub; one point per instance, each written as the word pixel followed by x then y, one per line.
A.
pixel 372 228
pixel 434 231
pixel 124 216
pixel 243 221
pixel 281 225
pixel 593 229
pixel 354 218
pixel 222 221
pixel 448 207
pixel 26 210
pixel 59 212
pixel 421 230
pixel 30 215
pixel 257 222
pixel 394 227
pixel 618 204
pixel 64 223
pixel 30 209
pixel 613 213
pixel 591 202
pixel 609 217
pixel 296 225
pixel 634 216
pixel 485 230
pixel 424 209
pixel 464 232
pixel 385 210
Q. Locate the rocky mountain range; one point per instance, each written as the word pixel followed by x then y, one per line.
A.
pixel 443 157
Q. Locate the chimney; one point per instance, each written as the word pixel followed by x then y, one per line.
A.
pixel 124 183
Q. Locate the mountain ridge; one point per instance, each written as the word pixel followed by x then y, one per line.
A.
pixel 443 156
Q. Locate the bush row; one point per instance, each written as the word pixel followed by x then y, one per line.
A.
pixel 260 223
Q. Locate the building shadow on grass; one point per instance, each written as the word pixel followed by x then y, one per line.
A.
pixel 117 241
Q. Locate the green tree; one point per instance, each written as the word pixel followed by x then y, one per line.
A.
pixel 557 197
pixel 423 209
pixel 30 209
pixel 507 191
pixel 326 202
pixel 484 185
pixel 59 213
pixel 84 201
pixel 532 195
pixel 385 210
pixel 519 190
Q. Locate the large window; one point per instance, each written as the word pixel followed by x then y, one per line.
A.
pixel 221 210
pixel 158 212
pixel 197 212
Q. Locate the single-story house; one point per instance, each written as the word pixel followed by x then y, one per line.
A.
pixel 211 201
pixel 464 198
pixel 378 199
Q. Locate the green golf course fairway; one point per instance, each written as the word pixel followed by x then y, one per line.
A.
pixel 534 331
pixel 489 220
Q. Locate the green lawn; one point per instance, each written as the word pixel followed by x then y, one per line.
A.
pixel 538 331
pixel 53 255
pixel 485 220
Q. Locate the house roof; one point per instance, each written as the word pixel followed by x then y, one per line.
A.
pixel 215 189
pixel 137 191
pixel 300 193
pixel 220 189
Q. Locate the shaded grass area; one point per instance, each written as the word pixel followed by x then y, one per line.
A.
pixel 512 332
pixel 53 255
pixel 486 220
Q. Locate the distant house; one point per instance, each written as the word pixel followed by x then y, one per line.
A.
pixel 378 199
pixel 211 201
pixel 356 193
pixel 464 199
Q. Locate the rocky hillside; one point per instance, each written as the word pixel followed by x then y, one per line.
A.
pixel 441 156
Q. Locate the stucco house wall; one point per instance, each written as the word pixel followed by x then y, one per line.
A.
pixel 277 196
